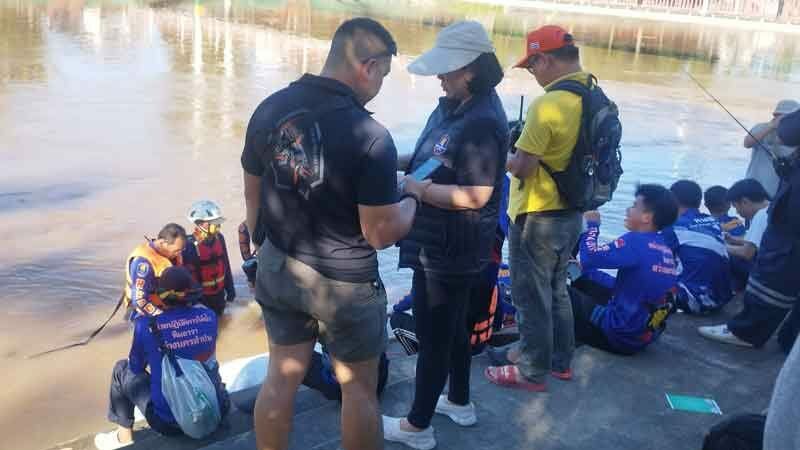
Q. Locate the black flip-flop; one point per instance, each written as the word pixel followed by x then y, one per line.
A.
pixel 499 340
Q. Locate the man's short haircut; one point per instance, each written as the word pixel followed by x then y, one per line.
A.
pixel 715 199
pixel 687 193
pixel 171 232
pixel 350 29
pixel 748 188
pixel 568 53
pixel 661 202
pixel 487 73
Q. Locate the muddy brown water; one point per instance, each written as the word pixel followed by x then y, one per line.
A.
pixel 115 116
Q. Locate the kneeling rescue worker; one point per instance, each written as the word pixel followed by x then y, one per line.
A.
pixel 206 256
pixel 144 267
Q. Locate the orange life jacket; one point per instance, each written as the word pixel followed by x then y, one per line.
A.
pixel 482 330
pixel 211 262
pixel 152 305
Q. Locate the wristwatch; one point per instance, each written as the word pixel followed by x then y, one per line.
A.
pixel 411 195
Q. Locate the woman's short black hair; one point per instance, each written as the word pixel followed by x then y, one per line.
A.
pixel 661 202
pixel 487 73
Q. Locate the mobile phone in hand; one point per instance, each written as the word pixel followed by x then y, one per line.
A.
pixel 425 170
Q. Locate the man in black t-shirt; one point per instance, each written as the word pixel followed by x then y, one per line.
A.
pixel 321 186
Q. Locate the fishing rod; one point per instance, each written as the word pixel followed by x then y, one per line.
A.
pixel 88 339
pixel 781 165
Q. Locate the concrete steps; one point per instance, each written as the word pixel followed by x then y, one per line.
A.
pixel 614 402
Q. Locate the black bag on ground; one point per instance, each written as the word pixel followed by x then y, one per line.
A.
pixel 594 169
pixel 740 432
pixel 320 376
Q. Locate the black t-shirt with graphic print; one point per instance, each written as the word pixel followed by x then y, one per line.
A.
pixel 313 181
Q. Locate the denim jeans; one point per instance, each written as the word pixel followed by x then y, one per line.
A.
pixel 541 246
pixel 129 390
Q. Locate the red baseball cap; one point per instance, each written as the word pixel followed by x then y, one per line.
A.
pixel 544 39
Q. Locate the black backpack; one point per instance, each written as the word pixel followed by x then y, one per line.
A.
pixel 594 169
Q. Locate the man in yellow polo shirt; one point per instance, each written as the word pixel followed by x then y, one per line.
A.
pixel 545 229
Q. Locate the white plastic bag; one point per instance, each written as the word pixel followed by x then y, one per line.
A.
pixel 191 396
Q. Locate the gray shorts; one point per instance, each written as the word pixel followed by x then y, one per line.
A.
pixel 301 305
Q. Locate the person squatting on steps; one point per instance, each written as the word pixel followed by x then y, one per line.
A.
pixel 190 332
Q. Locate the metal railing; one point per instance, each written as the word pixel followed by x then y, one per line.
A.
pixel 785 11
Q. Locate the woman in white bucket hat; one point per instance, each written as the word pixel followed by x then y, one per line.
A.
pixel 454 228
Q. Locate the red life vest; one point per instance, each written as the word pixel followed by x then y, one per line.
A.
pixel 211 264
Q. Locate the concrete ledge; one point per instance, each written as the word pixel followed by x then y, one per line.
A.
pixel 614 402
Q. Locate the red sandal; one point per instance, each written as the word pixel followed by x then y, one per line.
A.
pixel 563 375
pixel 509 376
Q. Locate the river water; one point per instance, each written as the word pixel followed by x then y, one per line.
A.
pixel 115 116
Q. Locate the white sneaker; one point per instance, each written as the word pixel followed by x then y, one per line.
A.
pixel 463 415
pixel 721 333
pixel 109 441
pixel 420 440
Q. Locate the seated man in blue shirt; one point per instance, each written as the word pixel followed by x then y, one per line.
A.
pixel 190 331
pixel 704 283
pixel 634 315
pixel 716 200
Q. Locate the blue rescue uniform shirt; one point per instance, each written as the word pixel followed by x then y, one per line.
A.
pixel 732 225
pixel 704 268
pixel 646 272
pixel 191 333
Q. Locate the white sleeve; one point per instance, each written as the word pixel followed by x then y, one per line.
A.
pixel 757 228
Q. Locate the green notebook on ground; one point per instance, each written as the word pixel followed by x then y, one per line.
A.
pixel 693 404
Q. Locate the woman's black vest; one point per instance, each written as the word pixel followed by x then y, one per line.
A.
pixel 455 241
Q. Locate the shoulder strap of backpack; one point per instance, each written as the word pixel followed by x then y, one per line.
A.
pixel 582 91
pixel 153 326
pixel 572 86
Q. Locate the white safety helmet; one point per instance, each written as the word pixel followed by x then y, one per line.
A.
pixel 206 211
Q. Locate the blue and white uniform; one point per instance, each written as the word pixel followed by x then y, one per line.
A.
pixel 646 273
pixel 703 267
